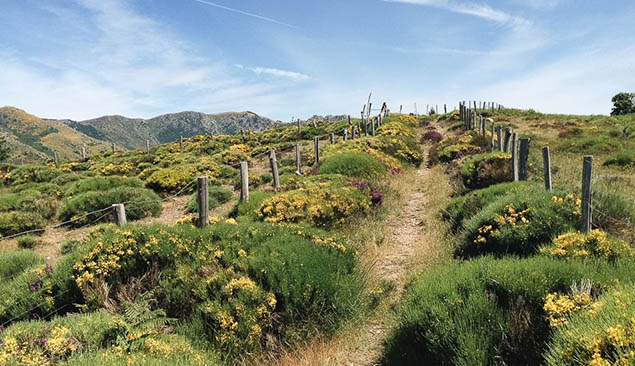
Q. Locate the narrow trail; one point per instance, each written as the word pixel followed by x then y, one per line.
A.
pixel 392 265
pixel 362 344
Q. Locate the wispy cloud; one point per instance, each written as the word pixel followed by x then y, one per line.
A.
pixel 478 10
pixel 276 72
pixel 233 10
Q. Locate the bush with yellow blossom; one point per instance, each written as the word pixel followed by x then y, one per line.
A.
pixel 596 244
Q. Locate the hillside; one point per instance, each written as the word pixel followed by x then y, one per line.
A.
pixel 132 133
pixel 35 139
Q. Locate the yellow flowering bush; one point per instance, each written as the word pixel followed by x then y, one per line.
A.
pixel 395 129
pixel 559 307
pixel 519 222
pixel 595 244
pixel 322 204
pixel 603 337
pixel 234 154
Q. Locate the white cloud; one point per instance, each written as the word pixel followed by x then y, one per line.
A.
pixel 478 10
pixel 279 73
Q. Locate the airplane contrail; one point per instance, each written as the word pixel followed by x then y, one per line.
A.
pixel 245 13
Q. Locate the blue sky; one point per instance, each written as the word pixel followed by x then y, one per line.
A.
pixel 81 59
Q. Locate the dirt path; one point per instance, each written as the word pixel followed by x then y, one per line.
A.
pixel 361 345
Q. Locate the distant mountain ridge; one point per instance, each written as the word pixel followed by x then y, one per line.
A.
pixel 132 133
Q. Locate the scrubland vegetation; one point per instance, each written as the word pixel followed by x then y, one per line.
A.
pixel 505 277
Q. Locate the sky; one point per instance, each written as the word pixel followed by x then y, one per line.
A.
pixel 285 59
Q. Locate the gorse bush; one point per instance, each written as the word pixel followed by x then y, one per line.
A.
pixel 352 164
pixel 489 311
pixel 464 207
pixel 484 170
pixel 602 335
pixel 323 203
pixel 32 173
pixel 581 246
pixel 15 262
pixel 28 242
pixel 217 196
pixel 236 276
pixel 15 222
pixel 140 203
pixel 519 223
pixel 99 184
pixel 621 159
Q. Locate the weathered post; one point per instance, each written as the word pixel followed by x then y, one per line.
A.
pixel 181 142
pixel 242 134
pixel 55 158
pixel 21 161
pixel 364 124
pixel 524 158
pixel 345 133
pixel 380 121
pixel 119 214
pixel 546 164
pixel 492 137
pixel 514 147
pixel 353 132
pixel 83 152
pixel 273 162
pixel 113 148
pixel 507 143
pixel 299 130
pixel 349 120
pixel 147 146
pixel 244 181
pixel 316 149
pixel 332 138
pixel 298 160
pixel 372 126
pixel 499 135
pixel 445 108
pixel 586 194
pixel 400 108
pixel 359 128
pixel 202 197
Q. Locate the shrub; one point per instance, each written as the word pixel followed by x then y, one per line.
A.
pixel 28 242
pixel 100 184
pixel 217 196
pixel 324 203
pixel 50 342
pixel 15 262
pixel 33 173
pixel 140 203
pixel 396 129
pixel 15 222
pixel 452 152
pixel 602 335
pixel 581 246
pixel 404 148
pixel 233 277
pixel 484 170
pixel 519 223
pixel 250 208
pixel 464 207
pixel 433 136
pixel 352 164
pixel 37 291
pixel 488 311
pixel 622 159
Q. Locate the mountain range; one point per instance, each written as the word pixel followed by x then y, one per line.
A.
pixel 36 139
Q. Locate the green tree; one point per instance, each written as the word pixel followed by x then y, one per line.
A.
pixel 4 149
pixel 623 103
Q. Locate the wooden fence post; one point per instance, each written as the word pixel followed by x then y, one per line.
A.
pixel 83 152
pixel 55 158
pixel 242 134
pixel 345 134
pixel 349 120
pixel 299 130
pixel 546 164
pixel 586 194
pixel 298 160
pixel 316 149
pixel 119 214
pixel 514 149
pixel 147 146
pixel 499 134
pixel 244 181
pixel 508 135
pixel 492 140
pixel 400 108
pixel 332 138
pixel 113 148
pixel 273 162
pixel 445 108
pixel 202 197
pixel 359 129
pixel 353 132
pixel 181 143
pixel 524 159
pixel 372 126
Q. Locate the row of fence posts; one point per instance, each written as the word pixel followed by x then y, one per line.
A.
pixel 508 142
